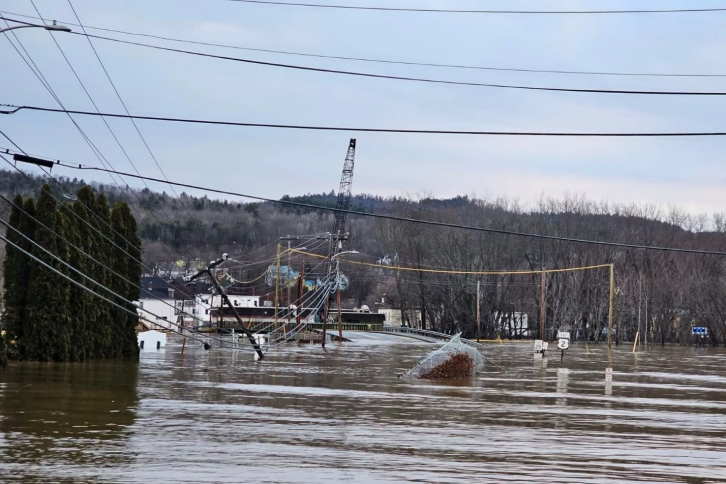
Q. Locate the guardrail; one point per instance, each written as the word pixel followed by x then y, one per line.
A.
pixel 426 332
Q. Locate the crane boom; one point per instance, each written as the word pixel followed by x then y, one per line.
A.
pixel 337 235
pixel 346 183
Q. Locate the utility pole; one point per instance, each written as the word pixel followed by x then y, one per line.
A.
pixel 610 305
pixel 337 297
pixel 300 289
pixel 277 285
pixel 208 270
pixel 542 309
pixel 619 294
pixel 336 243
pixel 478 310
pixel 289 271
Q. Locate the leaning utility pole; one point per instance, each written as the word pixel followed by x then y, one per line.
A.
pixel 208 271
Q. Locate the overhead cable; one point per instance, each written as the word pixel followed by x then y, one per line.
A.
pixel 413 79
pixel 458 271
pixel 492 12
pixel 665 134
pixel 118 95
pixel 381 61
pixel 409 219
pixel 78 284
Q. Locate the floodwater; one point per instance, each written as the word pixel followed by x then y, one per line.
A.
pixel 304 415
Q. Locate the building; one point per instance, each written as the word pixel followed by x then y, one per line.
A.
pixel 393 317
pixel 156 304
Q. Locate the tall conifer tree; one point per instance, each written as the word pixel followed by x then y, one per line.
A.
pixel 15 270
pixel 105 253
pixel 43 294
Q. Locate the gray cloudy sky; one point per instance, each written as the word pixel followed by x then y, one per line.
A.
pixel 686 172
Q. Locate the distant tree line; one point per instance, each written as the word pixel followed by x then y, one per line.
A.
pixel 46 318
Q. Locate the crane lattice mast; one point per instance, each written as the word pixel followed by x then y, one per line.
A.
pixel 337 235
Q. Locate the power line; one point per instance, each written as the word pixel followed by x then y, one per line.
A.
pixel 86 222
pixel 113 134
pixel 96 151
pixel 493 12
pixel 66 241
pixel 672 134
pixel 408 219
pixel 380 61
pixel 78 284
pixel 413 79
pixel 108 76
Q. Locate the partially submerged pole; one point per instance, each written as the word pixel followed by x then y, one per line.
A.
pixel 542 309
pixel 635 340
pixel 246 331
pixel 300 289
pixel 478 310
pixel 337 297
pixel 277 285
pixel 610 305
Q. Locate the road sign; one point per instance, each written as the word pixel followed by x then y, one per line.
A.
pixel 608 374
pixel 538 346
pixel 699 331
pixel 563 344
pixel 563 335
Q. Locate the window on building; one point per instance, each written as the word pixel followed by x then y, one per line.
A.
pixel 206 311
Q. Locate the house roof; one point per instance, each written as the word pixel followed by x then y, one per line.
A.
pixel 155 285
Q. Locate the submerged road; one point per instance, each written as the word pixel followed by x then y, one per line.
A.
pixel 370 337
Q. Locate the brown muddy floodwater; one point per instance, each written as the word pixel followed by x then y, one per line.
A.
pixel 308 416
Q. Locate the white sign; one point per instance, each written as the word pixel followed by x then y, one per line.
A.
pixel 538 345
pixel 563 344
pixel 563 335
pixel 608 374
pixel 545 345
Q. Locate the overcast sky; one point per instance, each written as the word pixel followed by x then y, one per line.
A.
pixel 689 173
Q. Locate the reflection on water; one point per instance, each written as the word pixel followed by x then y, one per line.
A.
pixel 65 422
pixel 304 415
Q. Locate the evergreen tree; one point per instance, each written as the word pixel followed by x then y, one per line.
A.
pixel 104 325
pixel 134 272
pixel 45 294
pixel 125 236
pixel 95 310
pixel 85 305
pixel 64 317
pixel 15 270
pixel 77 295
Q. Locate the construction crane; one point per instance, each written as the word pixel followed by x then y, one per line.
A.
pixel 338 234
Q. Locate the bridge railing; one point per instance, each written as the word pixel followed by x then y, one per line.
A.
pixel 429 333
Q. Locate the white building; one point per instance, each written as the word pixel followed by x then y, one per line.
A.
pixel 394 317
pixel 202 304
pixel 156 304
